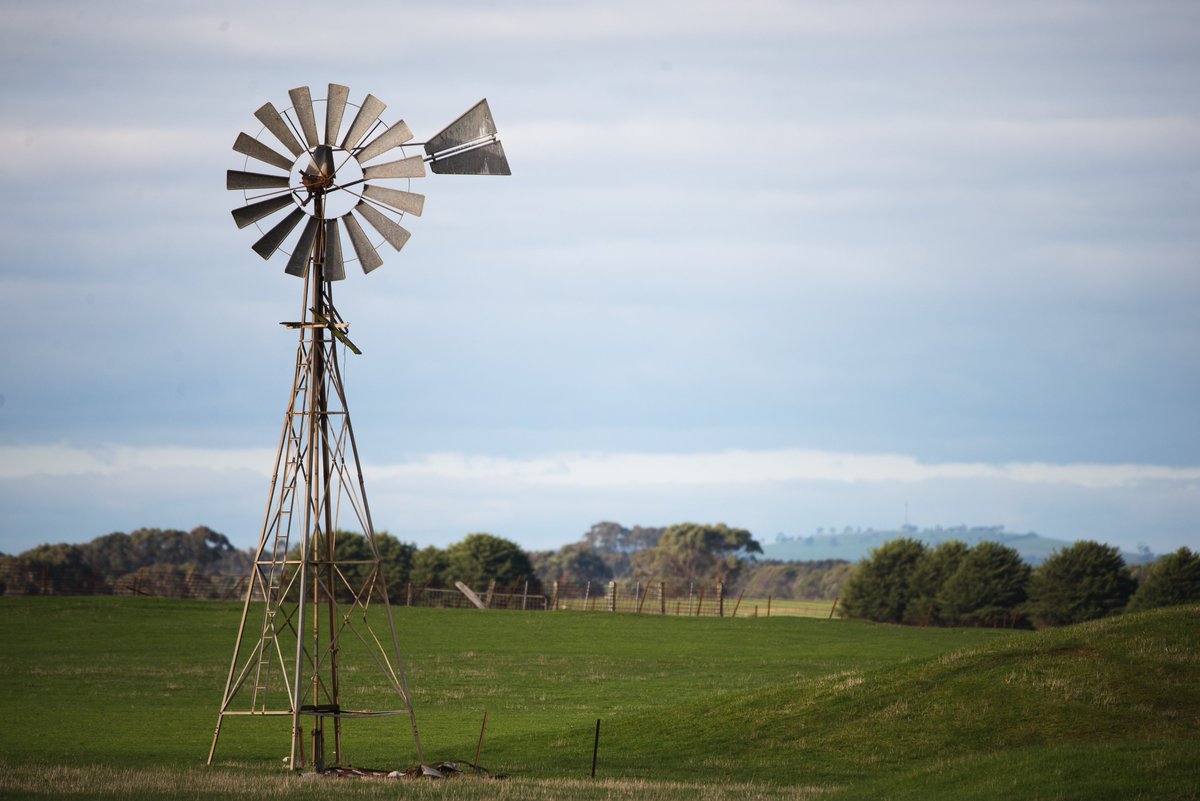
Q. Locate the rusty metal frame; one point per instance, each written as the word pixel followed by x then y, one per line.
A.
pixel 317 468
pixel 287 662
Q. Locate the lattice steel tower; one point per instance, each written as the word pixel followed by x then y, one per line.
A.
pixel 309 610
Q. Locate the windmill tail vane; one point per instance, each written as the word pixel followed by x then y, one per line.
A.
pixel 314 622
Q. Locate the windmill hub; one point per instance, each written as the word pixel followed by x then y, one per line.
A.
pixel 320 172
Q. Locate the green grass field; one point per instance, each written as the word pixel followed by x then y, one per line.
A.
pixel 116 698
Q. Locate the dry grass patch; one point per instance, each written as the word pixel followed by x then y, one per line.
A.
pixel 102 782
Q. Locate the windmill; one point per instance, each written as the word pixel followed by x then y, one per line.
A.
pixel 309 607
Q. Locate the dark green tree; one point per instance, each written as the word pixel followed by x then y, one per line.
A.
pixel 1174 579
pixel 986 589
pixel 354 554
pixel 480 558
pixel 51 569
pixel 1088 580
pixel 881 586
pixel 429 568
pixel 930 575
pixel 576 562
pixel 119 553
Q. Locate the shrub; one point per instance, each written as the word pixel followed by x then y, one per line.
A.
pixel 931 573
pixel 1174 579
pixel 1083 582
pixel 881 586
pixel 986 589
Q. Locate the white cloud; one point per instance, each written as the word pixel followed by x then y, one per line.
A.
pixel 584 470
pixel 60 459
pixel 769 466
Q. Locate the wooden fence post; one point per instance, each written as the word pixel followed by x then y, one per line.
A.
pixel 662 597
pixel 612 596
pixel 738 605
pixel 554 597
pixel 720 599
pixel 768 605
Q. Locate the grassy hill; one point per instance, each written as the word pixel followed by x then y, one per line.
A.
pixel 116 698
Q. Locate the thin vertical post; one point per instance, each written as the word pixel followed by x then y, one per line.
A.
pixel 596 748
pixel 479 746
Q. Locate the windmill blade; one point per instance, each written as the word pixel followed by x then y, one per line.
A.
pixel 334 268
pixel 476 123
pixel 372 107
pixel 395 136
pixel 363 248
pixel 392 231
pixel 488 159
pixel 237 179
pixel 298 264
pixel 408 202
pixel 302 103
pixel 249 146
pixel 274 123
pixel 254 212
pixel 411 167
pixel 271 240
pixel 335 107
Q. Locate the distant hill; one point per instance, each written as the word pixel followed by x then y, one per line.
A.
pixel 853 545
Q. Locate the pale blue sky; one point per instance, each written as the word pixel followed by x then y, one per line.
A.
pixel 783 265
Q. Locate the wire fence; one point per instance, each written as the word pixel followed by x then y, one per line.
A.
pixel 693 599
pixel 690 599
pixel 160 581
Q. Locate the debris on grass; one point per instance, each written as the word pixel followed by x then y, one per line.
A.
pixel 441 770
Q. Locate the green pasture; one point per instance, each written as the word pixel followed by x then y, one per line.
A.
pixel 116 698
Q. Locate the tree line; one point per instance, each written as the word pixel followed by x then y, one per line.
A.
pixel 687 554
pixel 96 566
pixel 988 584
pixel 902 581
pixel 679 555
pixel 170 557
